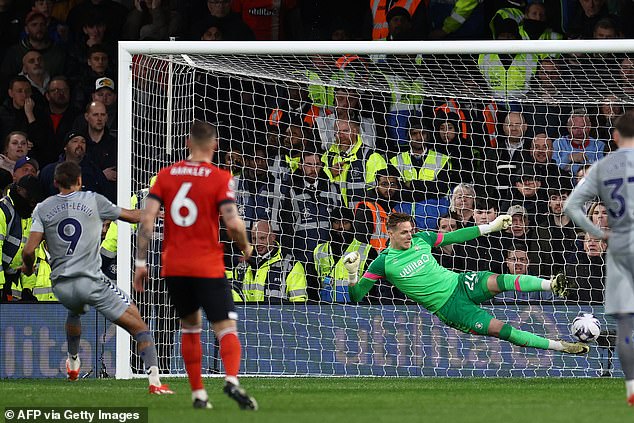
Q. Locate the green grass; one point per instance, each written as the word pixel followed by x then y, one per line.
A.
pixel 349 400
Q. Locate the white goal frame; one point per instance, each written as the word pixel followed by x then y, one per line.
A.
pixel 129 48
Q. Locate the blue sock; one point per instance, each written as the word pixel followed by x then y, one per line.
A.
pixel 148 353
pixel 73 340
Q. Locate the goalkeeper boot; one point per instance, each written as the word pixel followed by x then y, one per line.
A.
pixel 239 395
pixel 576 348
pixel 72 368
pixel 560 285
pixel 160 390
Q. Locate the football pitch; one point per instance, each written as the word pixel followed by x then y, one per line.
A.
pixel 348 400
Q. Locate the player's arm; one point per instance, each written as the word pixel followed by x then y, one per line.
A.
pixel 28 252
pixel 586 190
pixel 375 271
pixel 466 234
pixel 236 227
pixel 130 216
pixel 146 227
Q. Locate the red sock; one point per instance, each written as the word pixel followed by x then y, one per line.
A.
pixel 193 357
pixel 230 352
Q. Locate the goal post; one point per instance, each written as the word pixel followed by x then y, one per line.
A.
pixel 164 86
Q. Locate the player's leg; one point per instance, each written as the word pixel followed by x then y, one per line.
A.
pixel 185 300
pixel 220 310
pixel 558 284
pixel 116 306
pixel 73 337
pixel 625 350
pixel 521 338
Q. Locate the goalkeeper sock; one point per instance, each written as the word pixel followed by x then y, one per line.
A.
pixel 524 283
pixel 230 352
pixel 522 338
pixel 192 356
pixel 73 334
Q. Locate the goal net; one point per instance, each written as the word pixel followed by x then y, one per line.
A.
pixel 325 140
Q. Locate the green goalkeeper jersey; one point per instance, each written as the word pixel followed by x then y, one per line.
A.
pixel 415 272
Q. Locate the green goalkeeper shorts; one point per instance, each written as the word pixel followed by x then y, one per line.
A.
pixel 461 311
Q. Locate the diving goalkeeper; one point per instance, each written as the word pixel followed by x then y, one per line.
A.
pixel 454 297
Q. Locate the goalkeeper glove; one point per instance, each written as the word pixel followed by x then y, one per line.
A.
pixel 351 262
pixel 500 223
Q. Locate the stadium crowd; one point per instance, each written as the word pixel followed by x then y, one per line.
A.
pixel 317 168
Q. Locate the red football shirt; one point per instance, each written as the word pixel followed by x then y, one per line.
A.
pixel 264 17
pixel 192 193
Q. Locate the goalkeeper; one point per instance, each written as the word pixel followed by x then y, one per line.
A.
pixel 454 297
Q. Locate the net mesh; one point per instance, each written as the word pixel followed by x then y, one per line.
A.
pixel 493 137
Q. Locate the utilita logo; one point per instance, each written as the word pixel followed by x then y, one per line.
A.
pixel 414 266
pixel 262 11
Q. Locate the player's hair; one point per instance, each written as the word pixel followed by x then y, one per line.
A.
pixel 625 124
pixel 66 174
pixel 202 132
pixel 395 218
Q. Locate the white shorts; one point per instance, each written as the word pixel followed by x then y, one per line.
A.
pixel 77 294
pixel 619 286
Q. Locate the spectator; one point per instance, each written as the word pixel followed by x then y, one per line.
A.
pixel 231 25
pixel 37 39
pixel 541 159
pixel 609 110
pixel 534 26
pixel 382 16
pixel 587 270
pixel 53 122
pixel 461 204
pixel 347 106
pixel 503 162
pixel 457 19
pixel 508 75
pixel 98 67
pixel 484 252
pixel 113 14
pixel 57 31
pixel 269 19
pixel 450 140
pixel 606 29
pixel 25 166
pixel 582 23
pixel 578 148
pixel 625 78
pixel 33 70
pixel 5 180
pixel 305 211
pixel 93 34
pixel 555 235
pixel 529 192
pixel 213 33
pixel 350 164
pixel 598 214
pixel 17 113
pixel 104 93
pixel 271 276
pixel 152 20
pixel 370 216
pixel 401 26
pixel 520 229
pixel 296 138
pixel 101 147
pixel 75 150
pixel 15 147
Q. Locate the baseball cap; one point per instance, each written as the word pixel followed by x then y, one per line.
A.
pixel 32 186
pixel 32 15
pixel 104 83
pixel 72 135
pixel 24 161
pixel 516 209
